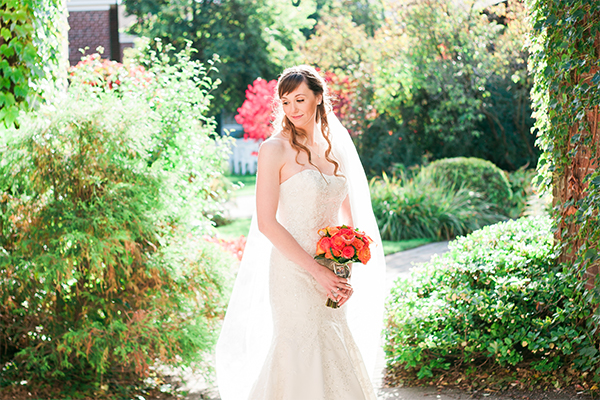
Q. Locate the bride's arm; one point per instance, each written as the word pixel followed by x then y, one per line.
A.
pixel 346 216
pixel 270 161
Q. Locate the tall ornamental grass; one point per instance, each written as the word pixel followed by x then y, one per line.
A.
pixel 425 207
pixel 103 272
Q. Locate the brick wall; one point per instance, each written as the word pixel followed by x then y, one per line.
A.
pixel 91 29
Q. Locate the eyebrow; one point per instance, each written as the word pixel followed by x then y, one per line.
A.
pixel 299 94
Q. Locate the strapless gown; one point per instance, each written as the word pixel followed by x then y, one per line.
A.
pixel 313 355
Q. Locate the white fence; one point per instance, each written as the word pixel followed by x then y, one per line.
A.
pixel 244 156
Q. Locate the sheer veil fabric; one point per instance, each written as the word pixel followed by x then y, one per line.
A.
pixel 247 329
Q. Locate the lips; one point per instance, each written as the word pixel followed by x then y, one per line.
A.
pixel 296 117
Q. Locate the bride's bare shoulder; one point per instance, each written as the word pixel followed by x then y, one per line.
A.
pixel 276 143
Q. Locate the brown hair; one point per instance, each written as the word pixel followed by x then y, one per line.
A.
pixel 289 81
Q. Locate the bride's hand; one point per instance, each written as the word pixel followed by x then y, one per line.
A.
pixel 349 291
pixel 333 284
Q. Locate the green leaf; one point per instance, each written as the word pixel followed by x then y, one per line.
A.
pixel 5 33
pixel 590 253
pixel 6 51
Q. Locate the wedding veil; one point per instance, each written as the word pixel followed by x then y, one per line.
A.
pixel 247 329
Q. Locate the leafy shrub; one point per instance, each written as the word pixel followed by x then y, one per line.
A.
pixel 103 271
pixel 522 191
pixel 475 174
pixel 497 303
pixel 424 207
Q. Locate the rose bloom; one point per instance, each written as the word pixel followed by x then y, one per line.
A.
pixel 336 253
pixel 348 252
pixel 322 232
pixel 364 255
pixel 323 245
pixel 358 244
pixel 332 230
pixel 337 242
pixel 348 237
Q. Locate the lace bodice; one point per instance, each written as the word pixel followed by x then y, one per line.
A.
pixel 308 202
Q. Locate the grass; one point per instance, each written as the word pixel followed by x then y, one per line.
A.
pixel 247 183
pixel 235 229
pixel 391 247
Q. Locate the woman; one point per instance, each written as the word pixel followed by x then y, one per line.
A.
pixel 279 340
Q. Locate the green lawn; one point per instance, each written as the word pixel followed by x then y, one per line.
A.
pixel 235 229
pixel 241 227
pixel 247 183
pixel 390 247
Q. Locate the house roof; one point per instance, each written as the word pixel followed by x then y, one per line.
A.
pixel 90 5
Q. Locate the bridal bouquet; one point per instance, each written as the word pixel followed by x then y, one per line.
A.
pixel 340 246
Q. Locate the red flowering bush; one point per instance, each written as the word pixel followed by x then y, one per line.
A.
pixel 347 101
pixel 235 246
pixel 107 74
pixel 256 113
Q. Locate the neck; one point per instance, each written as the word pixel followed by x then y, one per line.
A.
pixel 311 134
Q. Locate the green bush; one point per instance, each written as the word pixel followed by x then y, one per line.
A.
pixel 103 272
pixel 475 174
pixel 496 304
pixel 522 191
pixel 423 207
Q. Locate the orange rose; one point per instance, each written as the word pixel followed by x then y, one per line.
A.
pixel 364 255
pixel 337 242
pixel 336 253
pixel 323 232
pixel 328 254
pixel 332 230
pixel 357 243
pixel 347 236
pixel 348 252
pixel 323 245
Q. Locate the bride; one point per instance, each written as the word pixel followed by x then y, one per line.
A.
pixel 279 341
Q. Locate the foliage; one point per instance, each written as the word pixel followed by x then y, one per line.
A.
pixel 496 306
pixel 425 207
pixel 566 96
pixel 455 78
pixel 364 13
pixel 31 37
pixel 102 199
pixel 386 144
pixel 522 191
pixel 252 38
pixel 474 174
pixel 340 49
pixel 256 113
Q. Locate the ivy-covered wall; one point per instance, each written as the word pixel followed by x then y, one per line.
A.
pixel 32 53
pixel 565 60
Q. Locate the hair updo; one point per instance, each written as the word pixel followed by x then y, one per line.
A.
pixel 289 81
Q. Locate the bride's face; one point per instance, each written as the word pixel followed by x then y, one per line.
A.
pixel 300 106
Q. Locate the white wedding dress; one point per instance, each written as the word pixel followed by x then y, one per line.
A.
pixel 312 355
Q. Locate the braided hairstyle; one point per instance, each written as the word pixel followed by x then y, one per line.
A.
pixel 289 81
